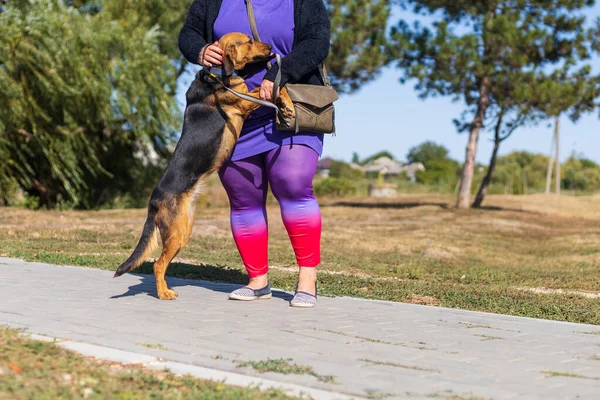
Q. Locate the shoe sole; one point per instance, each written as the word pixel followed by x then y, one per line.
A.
pixel 246 298
pixel 302 305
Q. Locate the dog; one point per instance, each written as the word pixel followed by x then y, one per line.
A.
pixel 213 120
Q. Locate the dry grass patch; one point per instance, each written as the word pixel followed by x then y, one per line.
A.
pixel 424 300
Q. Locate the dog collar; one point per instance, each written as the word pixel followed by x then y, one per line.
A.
pixel 218 72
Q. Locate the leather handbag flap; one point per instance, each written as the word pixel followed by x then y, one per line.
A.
pixel 318 96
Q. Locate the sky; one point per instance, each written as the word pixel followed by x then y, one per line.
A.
pixel 385 115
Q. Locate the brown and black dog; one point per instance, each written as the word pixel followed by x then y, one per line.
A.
pixel 212 123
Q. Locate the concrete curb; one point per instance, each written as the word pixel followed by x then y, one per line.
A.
pixel 180 369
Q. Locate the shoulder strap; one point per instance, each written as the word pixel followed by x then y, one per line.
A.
pixel 252 20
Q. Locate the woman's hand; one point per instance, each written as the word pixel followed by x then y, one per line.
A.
pixel 211 55
pixel 266 90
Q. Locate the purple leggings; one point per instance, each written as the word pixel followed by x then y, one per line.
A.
pixel 290 171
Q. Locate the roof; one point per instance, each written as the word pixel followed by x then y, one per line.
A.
pixel 325 163
pixel 387 166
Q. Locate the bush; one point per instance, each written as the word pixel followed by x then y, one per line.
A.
pixel 520 172
pixel 87 111
pixel 335 187
pixel 581 175
pixel 340 169
pixel 439 172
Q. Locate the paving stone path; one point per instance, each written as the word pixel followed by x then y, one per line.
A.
pixel 373 349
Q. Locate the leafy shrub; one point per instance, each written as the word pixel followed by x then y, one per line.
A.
pixel 335 187
pixel 340 169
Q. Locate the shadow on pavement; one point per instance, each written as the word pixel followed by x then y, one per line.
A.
pixel 217 279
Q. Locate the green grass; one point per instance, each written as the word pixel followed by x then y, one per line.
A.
pixel 414 249
pixel 285 367
pixel 31 369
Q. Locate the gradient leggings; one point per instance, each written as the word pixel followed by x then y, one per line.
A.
pixel 290 171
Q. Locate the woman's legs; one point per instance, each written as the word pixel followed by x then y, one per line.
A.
pixel 290 171
pixel 246 186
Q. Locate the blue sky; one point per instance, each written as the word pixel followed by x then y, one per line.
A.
pixel 385 115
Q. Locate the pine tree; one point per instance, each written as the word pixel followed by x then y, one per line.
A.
pixel 548 95
pixel 499 57
pixel 358 41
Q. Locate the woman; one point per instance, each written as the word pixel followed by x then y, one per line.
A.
pixel 298 30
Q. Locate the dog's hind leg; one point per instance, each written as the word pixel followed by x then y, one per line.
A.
pixel 174 230
pixel 171 247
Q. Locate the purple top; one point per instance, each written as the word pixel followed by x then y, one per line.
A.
pixel 275 24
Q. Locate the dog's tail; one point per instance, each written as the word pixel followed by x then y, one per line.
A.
pixel 146 244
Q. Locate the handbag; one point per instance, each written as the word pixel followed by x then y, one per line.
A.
pixel 313 104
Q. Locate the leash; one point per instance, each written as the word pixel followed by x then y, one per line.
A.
pixel 242 95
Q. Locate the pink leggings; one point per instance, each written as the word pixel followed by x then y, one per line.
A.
pixel 290 171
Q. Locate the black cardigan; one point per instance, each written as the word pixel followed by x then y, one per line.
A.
pixel 310 47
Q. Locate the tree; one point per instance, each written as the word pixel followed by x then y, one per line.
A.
pixel 492 55
pixel 427 152
pixel 85 104
pixel 358 41
pixel 520 172
pixel 581 174
pixel 164 16
pixel 439 168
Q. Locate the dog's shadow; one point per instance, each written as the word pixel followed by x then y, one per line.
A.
pixel 222 280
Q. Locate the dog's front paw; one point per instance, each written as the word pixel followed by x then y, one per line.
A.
pixel 287 109
pixel 168 294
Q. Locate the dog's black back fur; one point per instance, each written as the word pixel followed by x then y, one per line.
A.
pixel 199 142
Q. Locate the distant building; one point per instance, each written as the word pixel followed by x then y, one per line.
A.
pixel 324 167
pixel 387 167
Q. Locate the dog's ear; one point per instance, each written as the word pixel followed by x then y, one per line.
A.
pixel 229 57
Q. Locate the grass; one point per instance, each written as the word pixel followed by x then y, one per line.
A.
pixel 153 346
pixel 396 365
pixel 416 345
pixel 414 249
pixel 285 367
pixel 554 374
pixel 31 369
pixel 488 337
pixel 446 395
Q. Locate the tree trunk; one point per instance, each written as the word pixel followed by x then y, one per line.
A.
pixel 466 178
pixel 550 164
pixel 557 173
pixel 487 179
pixel 43 193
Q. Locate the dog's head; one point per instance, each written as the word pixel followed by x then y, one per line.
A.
pixel 239 50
